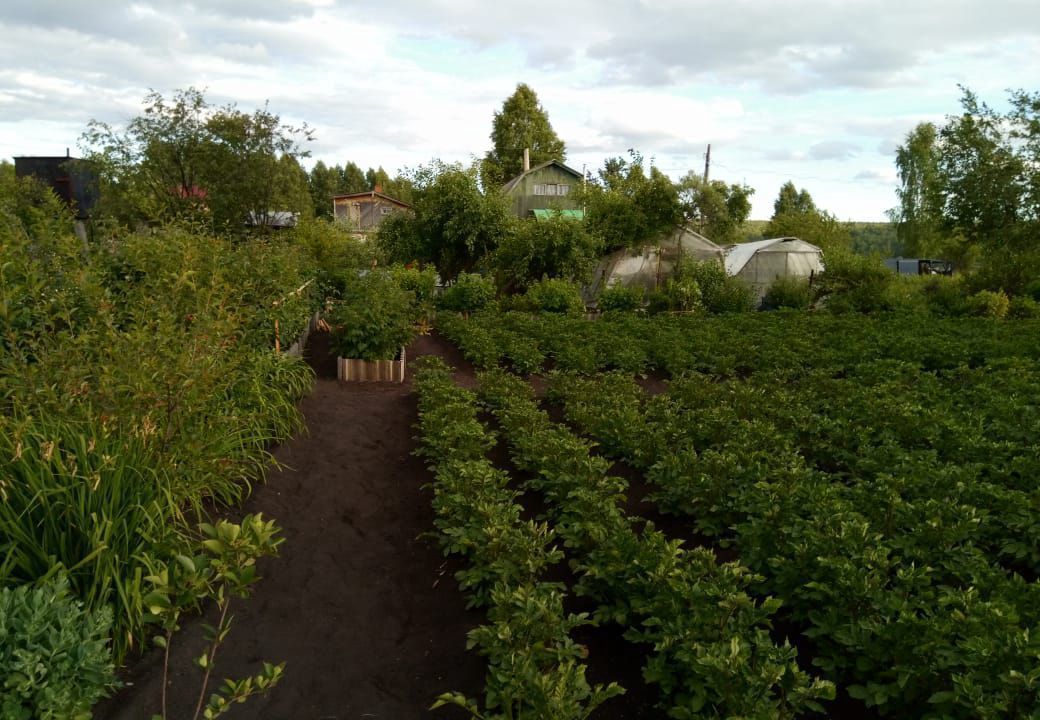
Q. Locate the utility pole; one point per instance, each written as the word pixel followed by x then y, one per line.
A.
pixel 707 163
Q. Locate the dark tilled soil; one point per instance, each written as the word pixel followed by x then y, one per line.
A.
pixel 363 610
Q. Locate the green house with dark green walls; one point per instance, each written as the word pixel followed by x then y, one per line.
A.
pixel 549 186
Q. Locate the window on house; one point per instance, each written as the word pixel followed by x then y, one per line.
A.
pixel 551 189
pixel 384 210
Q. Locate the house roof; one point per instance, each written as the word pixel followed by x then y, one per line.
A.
pixel 509 186
pixel 737 256
pixel 372 194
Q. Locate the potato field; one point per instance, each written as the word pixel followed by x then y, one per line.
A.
pixel 856 502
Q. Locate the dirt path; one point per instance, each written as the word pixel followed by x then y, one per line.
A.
pixel 364 611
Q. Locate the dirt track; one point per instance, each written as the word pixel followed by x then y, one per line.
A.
pixel 364 612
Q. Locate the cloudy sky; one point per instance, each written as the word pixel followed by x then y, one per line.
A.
pixel 815 91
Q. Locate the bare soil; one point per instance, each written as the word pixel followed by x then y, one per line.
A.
pixel 360 605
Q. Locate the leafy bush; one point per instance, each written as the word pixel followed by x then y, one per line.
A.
pixel 854 283
pixel 554 296
pixel 679 294
pixel 421 284
pixel 720 293
pixel 373 320
pixel 55 659
pixel 469 293
pixel 620 298
pixel 944 296
pixel 986 303
pixel 1023 307
pixel 788 292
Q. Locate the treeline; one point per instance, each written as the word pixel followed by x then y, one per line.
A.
pixel 970 189
pixel 220 168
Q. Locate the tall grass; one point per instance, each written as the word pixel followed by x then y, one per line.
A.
pixel 138 390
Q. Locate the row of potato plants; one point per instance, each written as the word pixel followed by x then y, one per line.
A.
pixel 893 510
pixel 535 668
pixel 712 655
pixel 138 389
pixel 732 345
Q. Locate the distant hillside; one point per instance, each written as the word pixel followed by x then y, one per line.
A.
pixel 867 237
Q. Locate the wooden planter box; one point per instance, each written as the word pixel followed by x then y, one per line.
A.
pixel 354 370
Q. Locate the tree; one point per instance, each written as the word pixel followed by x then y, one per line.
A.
pixel 628 207
pixel 323 182
pixel 184 158
pixel 717 209
pixel 353 180
pixel 556 247
pixel 796 215
pixel 791 199
pixel 983 179
pixel 455 226
pixel 521 124
pixel 919 216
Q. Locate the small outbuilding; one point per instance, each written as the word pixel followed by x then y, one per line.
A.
pixel 363 212
pixel 762 262
pixel 651 265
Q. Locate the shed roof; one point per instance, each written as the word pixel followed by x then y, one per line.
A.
pixel 509 186
pixel 737 256
pixel 373 194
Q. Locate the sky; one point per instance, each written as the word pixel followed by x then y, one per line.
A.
pixel 819 92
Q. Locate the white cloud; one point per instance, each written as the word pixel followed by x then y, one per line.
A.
pixel 808 90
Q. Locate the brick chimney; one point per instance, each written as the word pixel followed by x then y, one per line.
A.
pixel 527 159
pixel 378 188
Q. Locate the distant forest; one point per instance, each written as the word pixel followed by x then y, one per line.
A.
pixel 867 237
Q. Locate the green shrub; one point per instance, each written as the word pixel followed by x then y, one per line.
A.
pixel 677 294
pixel 720 293
pixel 986 303
pixel 788 292
pixel 421 284
pixel 943 296
pixel 373 320
pixel 854 283
pixel 554 296
pixel 1023 307
pixel 469 293
pixel 55 660
pixel 620 298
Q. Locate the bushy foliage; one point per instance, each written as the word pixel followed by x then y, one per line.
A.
pixel 556 247
pixel 853 283
pixel 553 296
pixel 788 292
pixel 678 294
pixel 1023 306
pixel 469 293
pixel 986 303
pixel 374 318
pixel 55 658
pixel 620 298
pixel 139 383
pixel 422 284
pixel 720 293
pixel 455 224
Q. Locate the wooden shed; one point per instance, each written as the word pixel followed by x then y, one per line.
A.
pixel 550 185
pixel 363 212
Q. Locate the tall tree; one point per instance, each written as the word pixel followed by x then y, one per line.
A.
pixel 919 215
pixel 630 207
pixel 183 157
pixel 521 124
pixel 353 179
pixel 796 215
pixel 455 225
pixel 718 210
pixel 791 199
